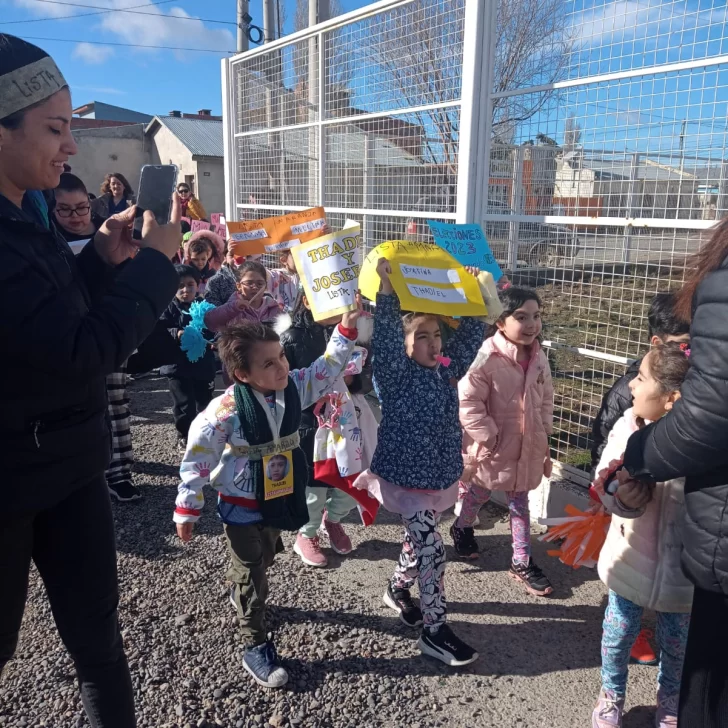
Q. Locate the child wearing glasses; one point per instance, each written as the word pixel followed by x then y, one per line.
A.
pixel 250 302
pixel 73 211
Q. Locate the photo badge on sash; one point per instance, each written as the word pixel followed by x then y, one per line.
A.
pixel 278 475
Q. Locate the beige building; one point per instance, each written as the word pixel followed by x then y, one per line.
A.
pixel 191 141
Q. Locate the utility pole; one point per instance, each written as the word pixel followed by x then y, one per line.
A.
pixel 243 20
pixel 682 167
pixel 269 21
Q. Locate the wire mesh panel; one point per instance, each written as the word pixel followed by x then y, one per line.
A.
pixel 607 168
pixel 360 114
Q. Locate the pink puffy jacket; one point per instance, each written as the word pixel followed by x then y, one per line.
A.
pixel 507 417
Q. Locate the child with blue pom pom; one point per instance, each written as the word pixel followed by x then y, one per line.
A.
pixel 192 383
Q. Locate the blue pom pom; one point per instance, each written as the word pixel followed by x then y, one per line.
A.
pixel 193 343
pixel 197 311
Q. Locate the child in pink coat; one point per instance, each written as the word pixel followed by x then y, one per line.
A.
pixel 506 410
pixel 251 302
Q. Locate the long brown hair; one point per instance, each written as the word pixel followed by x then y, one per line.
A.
pixel 706 260
pixel 106 187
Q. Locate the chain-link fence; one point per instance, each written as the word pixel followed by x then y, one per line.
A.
pixel 587 136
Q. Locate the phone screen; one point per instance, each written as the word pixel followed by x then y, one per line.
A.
pixel 156 186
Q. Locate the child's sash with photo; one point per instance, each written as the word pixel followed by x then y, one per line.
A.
pixel 278 475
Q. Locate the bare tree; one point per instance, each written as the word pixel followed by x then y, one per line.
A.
pixel 533 48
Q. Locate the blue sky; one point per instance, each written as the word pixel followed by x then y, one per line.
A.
pixel 153 82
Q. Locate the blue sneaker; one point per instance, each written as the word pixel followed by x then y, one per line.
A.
pixel 262 663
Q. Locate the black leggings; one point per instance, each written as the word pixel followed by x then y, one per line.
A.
pixel 72 544
pixel 704 689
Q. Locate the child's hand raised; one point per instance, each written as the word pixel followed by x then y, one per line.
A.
pixel 184 531
pixel 349 319
pixel 384 270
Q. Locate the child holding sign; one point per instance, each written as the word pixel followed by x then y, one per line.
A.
pixel 246 445
pixel 507 413
pixel 418 460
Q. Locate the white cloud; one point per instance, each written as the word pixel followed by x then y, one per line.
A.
pixel 159 28
pixel 94 54
pixel 175 28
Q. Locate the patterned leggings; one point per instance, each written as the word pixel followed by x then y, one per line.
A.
pixel 423 558
pixel 122 456
pixel 473 497
pixel 622 623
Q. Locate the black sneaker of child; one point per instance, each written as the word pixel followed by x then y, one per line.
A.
pixel 182 445
pixel 262 663
pixel 532 577
pixel 124 491
pixel 401 601
pixel 443 645
pixel 466 547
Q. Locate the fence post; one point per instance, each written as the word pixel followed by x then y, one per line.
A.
pixel 516 206
pixel 630 211
pixel 228 139
pixel 470 108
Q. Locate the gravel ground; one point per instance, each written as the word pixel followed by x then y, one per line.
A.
pixel 351 662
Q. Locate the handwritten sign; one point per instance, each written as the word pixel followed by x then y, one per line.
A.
pixel 198 225
pixel 221 230
pixel 215 218
pixel 425 277
pixel 329 270
pixel 467 244
pixel 273 234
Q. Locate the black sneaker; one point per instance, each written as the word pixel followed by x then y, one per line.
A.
pixel 401 601
pixel 262 663
pixel 443 645
pixel 532 577
pixel 124 491
pixel 182 445
pixel 466 547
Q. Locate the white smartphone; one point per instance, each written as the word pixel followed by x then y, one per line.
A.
pixel 156 187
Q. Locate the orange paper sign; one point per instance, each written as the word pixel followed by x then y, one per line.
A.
pixel 272 234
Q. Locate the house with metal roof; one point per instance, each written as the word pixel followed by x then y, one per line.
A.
pixel 194 144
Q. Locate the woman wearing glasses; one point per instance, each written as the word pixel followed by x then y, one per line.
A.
pixel 73 210
pixel 191 206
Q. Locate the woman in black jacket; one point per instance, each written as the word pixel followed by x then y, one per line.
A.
pixel 66 322
pixel 116 196
pixel 692 441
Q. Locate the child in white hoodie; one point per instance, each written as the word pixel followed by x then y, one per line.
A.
pixel 640 560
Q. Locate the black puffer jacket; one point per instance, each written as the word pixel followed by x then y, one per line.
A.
pixel 692 439
pixel 616 401
pixel 66 322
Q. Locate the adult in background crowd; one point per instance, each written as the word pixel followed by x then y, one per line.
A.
pixel 191 206
pixel 116 196
pixel 691 441
pixel 67 322
pixel 73 215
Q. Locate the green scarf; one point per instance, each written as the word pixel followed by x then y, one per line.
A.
pixel 289 512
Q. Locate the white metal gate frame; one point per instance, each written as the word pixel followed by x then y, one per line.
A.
pixel 474 154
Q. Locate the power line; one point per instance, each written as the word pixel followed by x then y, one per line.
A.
pixel 125 45
pixel 82 15
pixel 127 10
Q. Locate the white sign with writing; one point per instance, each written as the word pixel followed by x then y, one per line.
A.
pixel 329 270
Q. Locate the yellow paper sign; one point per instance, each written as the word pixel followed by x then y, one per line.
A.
pixel 425 277
pixel 329 270
pixel 278 475
pixel 273 234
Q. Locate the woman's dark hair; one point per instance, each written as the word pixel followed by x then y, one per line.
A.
pixel 661 318
pixel 236 343
pixel 70 183
pixel 187 271
pixel 669 364
pixel 250 266
pixel 706 260
pixel 106 187
pixel 512 299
